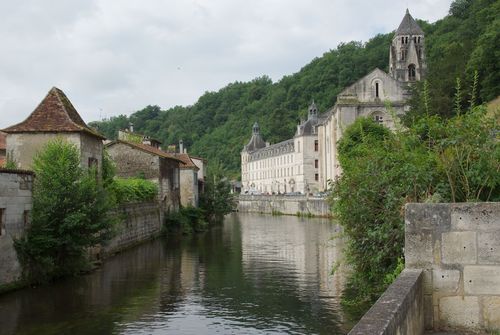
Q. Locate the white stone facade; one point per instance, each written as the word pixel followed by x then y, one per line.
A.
pixel 287 167
pixel 308 162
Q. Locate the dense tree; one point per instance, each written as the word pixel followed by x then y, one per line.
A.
pixel 70 215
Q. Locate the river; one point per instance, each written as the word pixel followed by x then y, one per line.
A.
pixel 255 274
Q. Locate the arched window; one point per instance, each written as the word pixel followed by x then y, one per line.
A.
pixel 411 72
pixel 376 90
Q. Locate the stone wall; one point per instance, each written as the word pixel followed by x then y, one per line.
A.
pixel 15 206
pixel 400 310
pixel 458 247
pixel 189 187
pixel 284 204
pixel 137 223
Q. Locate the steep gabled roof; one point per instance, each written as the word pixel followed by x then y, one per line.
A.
pixel 187 163
pixel 147 148
pixel 54 114
pixel 409 26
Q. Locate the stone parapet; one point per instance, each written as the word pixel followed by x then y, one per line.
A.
pixel 458 248
pixel 400 310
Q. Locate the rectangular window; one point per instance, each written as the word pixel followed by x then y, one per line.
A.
pixel 2 221
pixel 316 145
pixel 316 163
pixel 316 177
pixel 26 217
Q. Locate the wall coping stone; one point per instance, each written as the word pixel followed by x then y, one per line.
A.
pixel 390 310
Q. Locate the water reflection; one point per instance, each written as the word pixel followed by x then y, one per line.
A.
pixel 253 275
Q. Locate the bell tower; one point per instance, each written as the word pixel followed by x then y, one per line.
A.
pixel 407 51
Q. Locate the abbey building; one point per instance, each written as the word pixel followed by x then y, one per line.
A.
pixel 307 162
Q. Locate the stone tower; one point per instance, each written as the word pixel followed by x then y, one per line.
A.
pixel 313 111
pixel 407 51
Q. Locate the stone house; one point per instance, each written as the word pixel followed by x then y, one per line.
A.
pixel 15 207
pixel 55 117
pixel 138 159
pixel 201 163
pixel 188 181
pixel 3 149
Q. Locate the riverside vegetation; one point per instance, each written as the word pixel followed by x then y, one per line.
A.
pixel 431 158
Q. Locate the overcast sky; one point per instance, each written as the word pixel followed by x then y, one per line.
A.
pixel 114 57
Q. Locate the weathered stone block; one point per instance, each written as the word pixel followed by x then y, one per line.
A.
pixel 491 312
pixel 427 216
pixel 482 279
pixel 459 312
pixel 418 250
pixel 428 311
pixel 476 216
pixel 445 281
pixel 489 247
pixel 459 248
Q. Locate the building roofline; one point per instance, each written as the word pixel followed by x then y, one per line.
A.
pixel 145 148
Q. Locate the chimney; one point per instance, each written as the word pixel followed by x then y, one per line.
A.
pixel 185 150
pixel 181 146
pixel 131 127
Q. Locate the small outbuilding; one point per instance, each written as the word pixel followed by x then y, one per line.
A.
pixel 55 117
pixel 142 160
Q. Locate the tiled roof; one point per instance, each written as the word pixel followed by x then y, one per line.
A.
pixel 54 114
pixel 147 148
pixel 409 26
pixel 2 141
pixel 187 163
pixel 16 171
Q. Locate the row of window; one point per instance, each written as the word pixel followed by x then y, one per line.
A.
pixel 404 39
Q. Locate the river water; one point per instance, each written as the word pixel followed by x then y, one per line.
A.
pixel 255 274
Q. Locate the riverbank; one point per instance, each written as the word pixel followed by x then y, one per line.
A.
pixel 301 205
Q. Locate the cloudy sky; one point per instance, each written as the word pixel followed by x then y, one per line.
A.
pixel 114 57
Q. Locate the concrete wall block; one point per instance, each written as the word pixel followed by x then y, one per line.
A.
pixel 459 248
pixel 460 312
pixel 446 281
pixel 489 247
pixel 491 312
pixel 482 279
pixel 482 216
pixel 427 216
pixel 418 250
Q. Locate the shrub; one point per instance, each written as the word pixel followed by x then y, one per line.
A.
pixel 69 215
pixel 132 190
pixel 435 159
pixel 187 220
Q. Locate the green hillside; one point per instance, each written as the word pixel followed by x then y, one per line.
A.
pixel 219 123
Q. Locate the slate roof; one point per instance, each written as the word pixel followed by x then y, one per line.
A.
pixel 54 114
pixel 148 149
pixel 187 163
pixel 409 26
pixel 3 145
